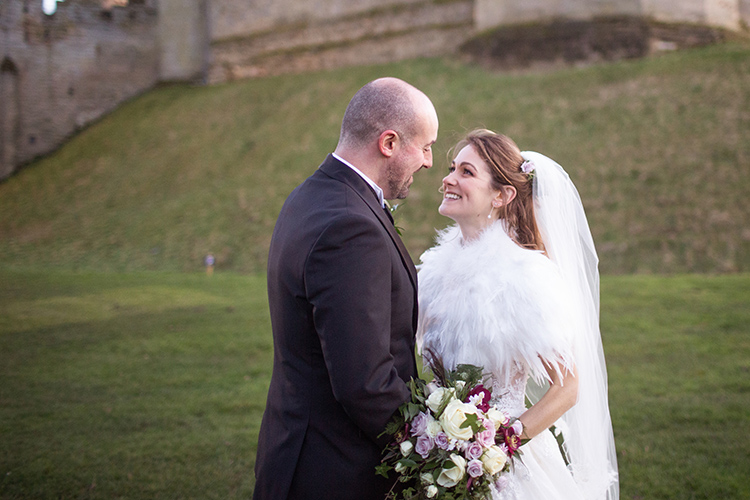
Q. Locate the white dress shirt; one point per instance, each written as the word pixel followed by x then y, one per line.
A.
pixel 375 187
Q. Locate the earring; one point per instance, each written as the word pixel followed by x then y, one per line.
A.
pixel 494 206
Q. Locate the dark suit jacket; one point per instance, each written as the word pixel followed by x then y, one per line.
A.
pixel 343 302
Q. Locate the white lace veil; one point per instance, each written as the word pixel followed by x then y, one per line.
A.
pixel 587 428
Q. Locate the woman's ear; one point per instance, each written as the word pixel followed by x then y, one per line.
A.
pixel 505 195
pixel 387 142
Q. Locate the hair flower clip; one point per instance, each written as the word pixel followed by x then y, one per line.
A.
pixel 527 166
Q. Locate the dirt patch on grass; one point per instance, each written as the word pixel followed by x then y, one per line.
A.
pixel 574 42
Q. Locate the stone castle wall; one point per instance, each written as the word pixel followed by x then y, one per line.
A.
pixel 728 14
pixel 233 18
pixel 386 33
pixel 61 72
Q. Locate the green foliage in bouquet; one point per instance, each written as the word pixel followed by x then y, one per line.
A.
pixel 447 442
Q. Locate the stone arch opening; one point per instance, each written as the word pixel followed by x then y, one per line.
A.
pixel 10 117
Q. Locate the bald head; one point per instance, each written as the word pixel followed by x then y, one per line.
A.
pixel 383 104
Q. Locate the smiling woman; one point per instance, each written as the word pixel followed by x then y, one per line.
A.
pixel 488 297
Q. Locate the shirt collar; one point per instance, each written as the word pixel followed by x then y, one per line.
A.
pixel 375 187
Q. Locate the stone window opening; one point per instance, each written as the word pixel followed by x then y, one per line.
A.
pixel 9 116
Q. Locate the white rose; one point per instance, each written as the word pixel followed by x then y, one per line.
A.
pixel 427 478
pixel 433 428
pixel 453 416
pixel 399 467
pixel 435 398
pixel 431 491
pixel 494 459
pixel 497 417
pixel 450 477
pixel 406 448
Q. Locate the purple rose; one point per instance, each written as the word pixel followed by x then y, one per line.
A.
pixel 474 468
pixel 419 424
pixel 486 437
pixel 425 444
pixel 501 483
pixel 442 442
pixel 474 450
pixel 517 427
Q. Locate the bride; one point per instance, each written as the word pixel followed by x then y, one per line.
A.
pixel 514 287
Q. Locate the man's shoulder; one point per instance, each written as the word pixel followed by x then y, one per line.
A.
pixel 321 202
pixel 323 191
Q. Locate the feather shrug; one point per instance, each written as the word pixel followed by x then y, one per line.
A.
pixel 492 303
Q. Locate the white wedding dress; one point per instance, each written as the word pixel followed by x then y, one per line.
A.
pixel 493 304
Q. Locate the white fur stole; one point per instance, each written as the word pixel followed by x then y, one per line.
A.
pixel 491 303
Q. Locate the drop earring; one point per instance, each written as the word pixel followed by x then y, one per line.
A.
pixel 494 206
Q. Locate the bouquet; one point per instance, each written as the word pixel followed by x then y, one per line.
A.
pixel 448 442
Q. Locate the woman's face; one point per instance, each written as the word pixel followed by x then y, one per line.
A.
pixel 468 194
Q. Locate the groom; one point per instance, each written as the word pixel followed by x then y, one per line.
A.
pixel 343 302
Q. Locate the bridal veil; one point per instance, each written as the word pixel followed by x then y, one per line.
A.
pixel 589 444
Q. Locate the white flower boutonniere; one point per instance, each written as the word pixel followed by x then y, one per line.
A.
pixel 392 209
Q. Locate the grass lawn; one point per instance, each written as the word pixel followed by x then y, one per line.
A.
pixel 678 353
pixel 131 386
pixel 152 385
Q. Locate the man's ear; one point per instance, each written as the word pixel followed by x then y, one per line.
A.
pixel 506 195
pixel 387 142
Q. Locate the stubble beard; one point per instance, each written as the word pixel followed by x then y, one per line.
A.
pixel 398 187
pixel 403 192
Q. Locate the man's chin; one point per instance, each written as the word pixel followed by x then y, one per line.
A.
pixel 405 190
pixel 400 194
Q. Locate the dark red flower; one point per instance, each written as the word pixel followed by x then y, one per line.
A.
pixel 484 402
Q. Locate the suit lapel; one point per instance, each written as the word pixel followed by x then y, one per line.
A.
pixel 337 170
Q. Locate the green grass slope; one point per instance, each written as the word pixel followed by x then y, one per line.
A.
pixel 659 149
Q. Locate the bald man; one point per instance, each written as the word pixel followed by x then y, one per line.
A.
pixel 342 293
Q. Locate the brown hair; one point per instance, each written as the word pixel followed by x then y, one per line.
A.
pixel 503 157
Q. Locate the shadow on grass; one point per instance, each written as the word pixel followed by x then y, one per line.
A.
pixel 137 403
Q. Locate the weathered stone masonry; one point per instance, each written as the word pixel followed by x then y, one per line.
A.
pixel 60 72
